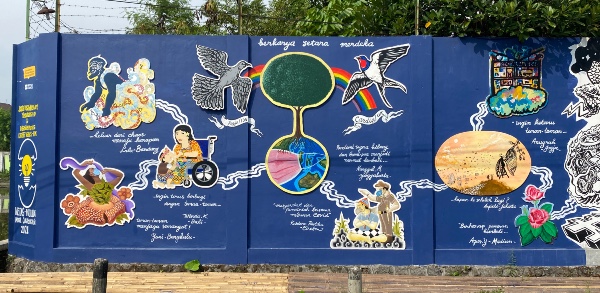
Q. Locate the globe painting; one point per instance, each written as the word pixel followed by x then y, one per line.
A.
pixel 297 163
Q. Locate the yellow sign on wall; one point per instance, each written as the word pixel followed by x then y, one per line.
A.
pixel 29 72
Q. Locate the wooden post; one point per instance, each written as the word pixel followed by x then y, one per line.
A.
pixel 57 17
pixel 355 280
pixel 100 274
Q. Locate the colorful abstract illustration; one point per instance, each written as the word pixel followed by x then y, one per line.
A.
pixel 516 82
pixel 483 163
pixel 209 93
pixel 26 182
pixel 100 201
pixel 113 100
pixel 190 161
pixel 297 163
pixel 373 227
pixel 372 72
pixel 535 221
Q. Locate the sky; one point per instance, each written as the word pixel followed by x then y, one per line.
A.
pixel 85 16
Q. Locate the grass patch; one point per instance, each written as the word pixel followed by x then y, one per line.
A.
pixel 3 226
pixel 4 176
pixel 4 180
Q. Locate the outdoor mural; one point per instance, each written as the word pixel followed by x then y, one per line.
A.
pixel 113 100
pixel 483 163
pixel 100 201
pixel 516 82
pixel 196 153
pixel 581 162
pixel 297 163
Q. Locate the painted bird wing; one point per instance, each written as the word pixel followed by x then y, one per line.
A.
pixel 386 56
pixel 207 92
pixel 212 60
pixel 357 82
pixel 240 88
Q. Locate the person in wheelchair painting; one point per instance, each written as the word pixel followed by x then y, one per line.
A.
pixel 192 160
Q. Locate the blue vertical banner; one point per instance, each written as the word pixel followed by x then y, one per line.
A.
pixel 33 146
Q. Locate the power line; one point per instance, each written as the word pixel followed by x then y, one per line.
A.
pixel 98 30
pixel 156 5
pixel 42 21
pixel 100 7
pixel 93 15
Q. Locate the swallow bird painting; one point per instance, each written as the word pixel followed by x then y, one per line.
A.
pixel 372 71
pixel 208 92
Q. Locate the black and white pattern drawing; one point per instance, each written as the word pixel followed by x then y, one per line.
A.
pixel 208 92
pixel 582 162
pixel 584 231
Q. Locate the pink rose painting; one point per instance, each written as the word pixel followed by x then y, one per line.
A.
pixel 537 217
pixel 532 193
pixel 534 222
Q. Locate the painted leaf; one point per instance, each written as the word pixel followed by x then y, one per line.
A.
pixel 550 228
pixel 546 237
pixel 525 229
pixel 526 239
pixel 73 222
pixel 536 232
pixel 521 220
pixel 547 207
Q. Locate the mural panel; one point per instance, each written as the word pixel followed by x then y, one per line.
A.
pixel 398 150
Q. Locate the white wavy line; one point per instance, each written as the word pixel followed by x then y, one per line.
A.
pixel 340 200
pixel 545 177
pixel 406 188
pixel 234 177
pixel 569 208
pixel 479 116
pixel 140 176
pixel 173 110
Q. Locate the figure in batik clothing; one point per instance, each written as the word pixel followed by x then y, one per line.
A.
pixel 187 153
pixel 388 204
pixel 164 171
pixel 365 224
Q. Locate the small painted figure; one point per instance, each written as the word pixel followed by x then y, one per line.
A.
pixel 388 204
pixel 187 153
pixel 105 84
pixel 501 168
pixel 92 175
pixel 164 171
pixel 365 224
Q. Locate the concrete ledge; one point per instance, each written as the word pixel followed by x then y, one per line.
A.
pixel 592 257
pixel 21 265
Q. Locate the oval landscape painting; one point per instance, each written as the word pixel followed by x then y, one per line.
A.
pixel 484 163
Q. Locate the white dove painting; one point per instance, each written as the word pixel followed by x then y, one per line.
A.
pixel 208 92
pixel 372 72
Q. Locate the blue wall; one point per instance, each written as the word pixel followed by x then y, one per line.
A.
pixel 293 202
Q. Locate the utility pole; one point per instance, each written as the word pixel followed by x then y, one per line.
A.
pixel 239 16
pixel 57 17
pixel 417 10
pixel 27 15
